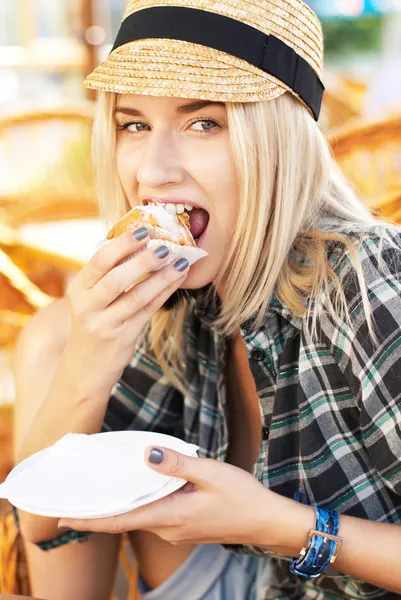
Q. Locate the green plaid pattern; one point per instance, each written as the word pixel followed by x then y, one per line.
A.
pixel 331 409
pixel 332 422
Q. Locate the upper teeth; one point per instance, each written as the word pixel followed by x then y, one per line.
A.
pixel 173 208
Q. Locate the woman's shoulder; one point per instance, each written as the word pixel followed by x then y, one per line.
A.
pixel 377 246
pixel 369 275
pixel 366 275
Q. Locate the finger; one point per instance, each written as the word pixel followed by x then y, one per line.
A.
pixel 200 471
pixel 113 525
pixel 110 255
pixel 160 513
pixel 128 274
pixel 144 299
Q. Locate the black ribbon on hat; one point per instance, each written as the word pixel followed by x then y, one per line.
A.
pixel 266 52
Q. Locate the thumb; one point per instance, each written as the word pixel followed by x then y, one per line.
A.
pixel 174 464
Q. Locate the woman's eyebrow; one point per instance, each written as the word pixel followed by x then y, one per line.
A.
pixel 182 109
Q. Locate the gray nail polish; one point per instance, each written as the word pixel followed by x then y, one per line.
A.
pixel 65 529
pixel 156 456
pixel 141 233
pixel 161 251
pixel 181 264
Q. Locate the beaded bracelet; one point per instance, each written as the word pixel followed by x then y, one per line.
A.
pixel 322 545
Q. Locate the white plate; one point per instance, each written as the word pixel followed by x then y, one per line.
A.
pixel 175 485
pixel 95 454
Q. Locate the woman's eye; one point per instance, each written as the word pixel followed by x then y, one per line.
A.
pixel 132 127
pixel 204 126
pixel 206 122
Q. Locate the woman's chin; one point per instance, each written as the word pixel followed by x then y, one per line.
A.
pixel 195 283
pixel 199 275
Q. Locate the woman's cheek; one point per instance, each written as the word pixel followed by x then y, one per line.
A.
pixel 126 169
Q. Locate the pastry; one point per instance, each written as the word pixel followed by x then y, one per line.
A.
pixel 162 224
pixel 165 228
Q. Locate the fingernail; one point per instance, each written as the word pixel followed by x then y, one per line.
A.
pixel 181 264
pixel 64 528
pixel 161 251
pixel 156 456
pixel 141 233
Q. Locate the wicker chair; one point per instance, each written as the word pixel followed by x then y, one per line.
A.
pixel 387 206
pixel 47 269
pixel 45 169
pixel 126 584
pixel 336 111
pixel 370 156
pixel 45 175
pixel 342 100
pixel 19 300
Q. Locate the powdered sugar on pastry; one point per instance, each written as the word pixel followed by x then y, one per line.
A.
pixel 162 225
pixel 164 228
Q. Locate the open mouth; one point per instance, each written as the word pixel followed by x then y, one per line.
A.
pixel 198 222
pixel 197 219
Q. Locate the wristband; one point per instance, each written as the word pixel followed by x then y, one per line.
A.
pixel 63 538
pixel 321 547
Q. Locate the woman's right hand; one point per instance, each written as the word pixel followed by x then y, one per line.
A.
pixel 105 320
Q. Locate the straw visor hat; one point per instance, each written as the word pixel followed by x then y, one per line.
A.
pixel 227 50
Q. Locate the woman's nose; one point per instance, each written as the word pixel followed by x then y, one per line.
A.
pixel 160 163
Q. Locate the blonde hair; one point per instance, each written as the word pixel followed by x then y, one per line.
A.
pixel 288 181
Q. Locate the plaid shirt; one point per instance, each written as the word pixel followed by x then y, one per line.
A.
pixel 331 409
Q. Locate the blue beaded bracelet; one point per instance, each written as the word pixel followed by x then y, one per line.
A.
pixel 322 545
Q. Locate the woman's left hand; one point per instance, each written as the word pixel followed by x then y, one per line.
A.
pixel 219 504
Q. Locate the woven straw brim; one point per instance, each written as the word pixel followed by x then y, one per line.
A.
pixel 163 67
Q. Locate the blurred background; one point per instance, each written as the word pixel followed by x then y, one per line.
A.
pixel 48 213
pixel 49 224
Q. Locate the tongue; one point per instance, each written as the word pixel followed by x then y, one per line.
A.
pixel 198 220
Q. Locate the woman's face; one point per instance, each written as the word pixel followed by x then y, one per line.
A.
pixel 178 150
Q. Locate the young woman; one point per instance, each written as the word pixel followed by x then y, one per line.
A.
pixel 278 354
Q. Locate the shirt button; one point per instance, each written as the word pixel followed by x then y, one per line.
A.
pixel 258 354
pixel 265 433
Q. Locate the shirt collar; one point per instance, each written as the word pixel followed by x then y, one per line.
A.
pixel 207 308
